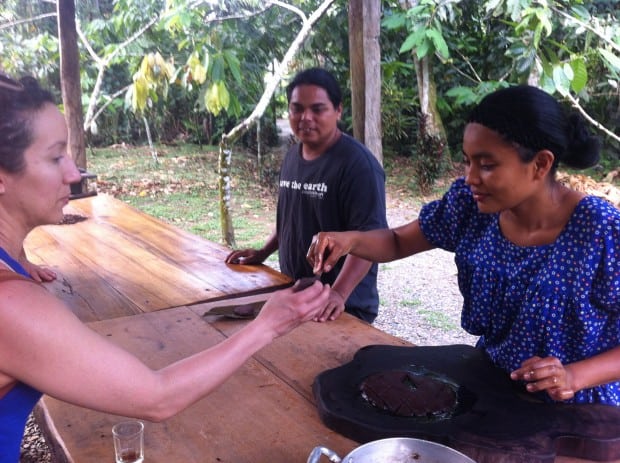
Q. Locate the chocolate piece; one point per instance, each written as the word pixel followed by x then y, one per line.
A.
pixel 304 283
pixel 403 393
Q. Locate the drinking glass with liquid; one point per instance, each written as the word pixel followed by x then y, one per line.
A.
pixel 128 441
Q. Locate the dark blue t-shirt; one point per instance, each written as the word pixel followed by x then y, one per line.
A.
pixel 343 189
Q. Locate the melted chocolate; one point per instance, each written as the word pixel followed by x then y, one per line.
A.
pixel 403 393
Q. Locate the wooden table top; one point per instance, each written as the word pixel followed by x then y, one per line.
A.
pixel 120 261
pixel 264 413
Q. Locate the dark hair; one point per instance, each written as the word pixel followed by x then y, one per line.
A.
pixel 321 78
pixel 19 100
pixel 534 120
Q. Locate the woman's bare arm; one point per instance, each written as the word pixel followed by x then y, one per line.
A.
pixel 44 345
pixel 383 245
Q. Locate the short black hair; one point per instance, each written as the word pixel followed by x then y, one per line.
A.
pixel 321 78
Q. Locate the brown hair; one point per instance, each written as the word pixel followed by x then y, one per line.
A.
pixel 19 100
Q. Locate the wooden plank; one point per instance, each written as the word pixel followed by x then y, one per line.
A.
pixel 120 261
pixel 310 349
pixel 252 417
pixel 175 245
pixel 87 293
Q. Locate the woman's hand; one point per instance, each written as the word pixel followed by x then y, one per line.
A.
pixel 246 257
pixel 38 273
pixel 326 248
pixel 546 374
pixel 288 308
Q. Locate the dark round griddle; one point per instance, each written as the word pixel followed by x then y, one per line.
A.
pixel 495 420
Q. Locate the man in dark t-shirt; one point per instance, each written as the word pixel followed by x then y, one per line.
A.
pixel 328 182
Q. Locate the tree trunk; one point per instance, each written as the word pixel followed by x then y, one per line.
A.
pixel 365 64
pixel 356 64
pixel 224 167
pixel 70 80
pixel 372 69
pixel 427 92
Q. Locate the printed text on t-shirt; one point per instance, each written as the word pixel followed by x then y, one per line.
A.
pixel 312 189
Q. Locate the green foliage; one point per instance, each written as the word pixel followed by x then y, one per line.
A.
pixel 197 69
pixel 218 54
pixel 29 48
pixel 424 23
pixel 570 48
pixel 398 109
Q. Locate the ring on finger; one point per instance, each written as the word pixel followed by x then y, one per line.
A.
pixel 555 380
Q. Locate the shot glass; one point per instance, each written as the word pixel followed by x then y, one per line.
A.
pixel 128 441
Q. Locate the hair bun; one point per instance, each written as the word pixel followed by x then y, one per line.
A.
pixel 583 149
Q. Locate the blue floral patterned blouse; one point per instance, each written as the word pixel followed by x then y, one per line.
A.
pixel 560 299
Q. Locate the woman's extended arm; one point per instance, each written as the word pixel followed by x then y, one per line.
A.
pixel 383 245
pixel 44 345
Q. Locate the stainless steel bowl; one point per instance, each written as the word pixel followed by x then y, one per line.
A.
pixel 394 450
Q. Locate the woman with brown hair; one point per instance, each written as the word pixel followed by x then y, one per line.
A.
pixel 44 348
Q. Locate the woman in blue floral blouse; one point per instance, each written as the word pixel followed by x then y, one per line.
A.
pixel 538 263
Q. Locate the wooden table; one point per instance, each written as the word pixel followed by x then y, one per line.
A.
pixel 120 261
pixel 134 276
pixel 264 413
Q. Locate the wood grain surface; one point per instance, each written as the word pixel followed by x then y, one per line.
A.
pixel 263 413
pixel 120 261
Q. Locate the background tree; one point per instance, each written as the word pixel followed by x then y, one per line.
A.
pixel 229 138
pixel 189 70
pixel 480 46
pixel 70 80
pixel 365 65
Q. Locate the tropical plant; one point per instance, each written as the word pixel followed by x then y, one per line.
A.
pixel 565 47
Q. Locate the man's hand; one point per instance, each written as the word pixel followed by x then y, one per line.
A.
pixel 246 257
pixel 333 308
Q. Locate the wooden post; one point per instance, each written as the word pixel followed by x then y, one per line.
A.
pixel 372 70
pixel 365 64
pixel 70 80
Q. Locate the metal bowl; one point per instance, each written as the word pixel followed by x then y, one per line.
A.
pixel 394 450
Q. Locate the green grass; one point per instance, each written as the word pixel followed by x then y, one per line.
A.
pixel 438 319
pixel 407 303
pixel 181 188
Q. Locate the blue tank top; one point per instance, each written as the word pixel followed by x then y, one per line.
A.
pixel 17 404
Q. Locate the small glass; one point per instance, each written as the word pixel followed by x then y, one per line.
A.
pixel 128 441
